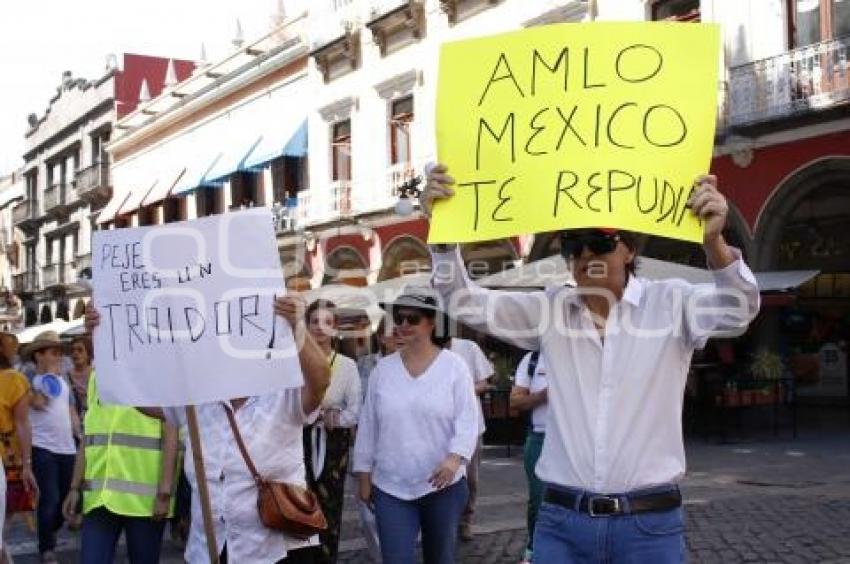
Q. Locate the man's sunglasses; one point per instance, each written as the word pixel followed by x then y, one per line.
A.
pixel 411 318
pixel 599 243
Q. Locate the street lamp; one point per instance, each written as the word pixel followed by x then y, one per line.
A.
pixel 406 191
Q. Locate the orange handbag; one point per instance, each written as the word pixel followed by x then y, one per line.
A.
pixel 284 507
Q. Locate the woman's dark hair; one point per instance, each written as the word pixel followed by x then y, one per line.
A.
pixel 317 305
pixel 86 342
pixel 440 335
pixel 376 344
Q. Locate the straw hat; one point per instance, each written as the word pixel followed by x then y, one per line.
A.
pixel 45 340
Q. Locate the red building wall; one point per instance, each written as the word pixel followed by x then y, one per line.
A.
pixel 128 81
pixel 750 188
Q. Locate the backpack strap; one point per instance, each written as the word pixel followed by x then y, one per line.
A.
pixel 532 363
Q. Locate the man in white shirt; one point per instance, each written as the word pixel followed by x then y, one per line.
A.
pixel 481 370
pixel 618 349
pixel 271 426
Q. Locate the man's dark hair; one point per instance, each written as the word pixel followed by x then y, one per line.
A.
pixel 635 242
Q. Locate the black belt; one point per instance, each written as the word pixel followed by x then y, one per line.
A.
pixel 597 505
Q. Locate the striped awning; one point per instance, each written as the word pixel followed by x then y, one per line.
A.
pixel 163 187
pixel 110 210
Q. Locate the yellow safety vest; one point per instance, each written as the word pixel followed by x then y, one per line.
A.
pixel 123 458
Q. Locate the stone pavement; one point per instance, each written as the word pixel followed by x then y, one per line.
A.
pixel 762 500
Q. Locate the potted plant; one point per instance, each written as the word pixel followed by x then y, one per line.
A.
pixel 766 365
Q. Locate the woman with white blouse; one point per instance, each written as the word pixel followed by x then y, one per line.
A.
pixel 418 430
pixel 327 441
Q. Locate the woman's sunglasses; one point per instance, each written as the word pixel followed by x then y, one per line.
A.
pixel 411 318
pixel 599 243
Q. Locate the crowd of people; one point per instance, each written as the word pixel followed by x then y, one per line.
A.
pixel 108 469
pixel 401 424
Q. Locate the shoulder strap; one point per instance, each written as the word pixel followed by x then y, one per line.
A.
pixel 532 363
pixel 251 468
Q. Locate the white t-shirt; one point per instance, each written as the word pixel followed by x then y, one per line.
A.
pixel 478 365
pixel 409 425
pixel 535 383
pixel 51 426
pixel 271 427
pixel 343 393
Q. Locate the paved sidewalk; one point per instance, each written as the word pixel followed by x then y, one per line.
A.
pixel 769 500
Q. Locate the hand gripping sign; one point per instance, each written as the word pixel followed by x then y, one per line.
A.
pixel 576 125
pixel 186 312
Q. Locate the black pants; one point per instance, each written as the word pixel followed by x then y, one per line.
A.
pixel 300 556
pixel 53 472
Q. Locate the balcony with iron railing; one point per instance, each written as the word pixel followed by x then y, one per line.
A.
pixel 55 198
pixel 25 282
pixel 91 184
pixel 802 81
pixel 81 262
pixel 288 216
pixel 322 206
pixel 383 193
pixel 26 213
pixel 342 199
pixel 57 274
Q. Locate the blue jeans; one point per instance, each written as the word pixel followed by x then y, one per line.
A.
pixel 102 528
pixel 53 473
pixel 436 514
pixel 566 536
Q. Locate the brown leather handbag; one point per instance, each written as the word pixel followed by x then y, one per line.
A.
pixel 284 507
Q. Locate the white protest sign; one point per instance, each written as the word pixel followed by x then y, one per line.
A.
pixel 186 312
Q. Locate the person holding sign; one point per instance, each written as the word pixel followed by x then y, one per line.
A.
pixel 54 426
pixel 417 433
pixel 328 440
pixel 618 349
pixel 271 427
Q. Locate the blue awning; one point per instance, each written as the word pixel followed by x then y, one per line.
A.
pixel 195 177
pixel 270 147
pixel 246 137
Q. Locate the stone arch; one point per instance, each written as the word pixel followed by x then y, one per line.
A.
pixel 62 310
pixel 736 234
pixel 404 255
pixel 297 270
pixel 345 265
pixel 30 314
pixel 46 316
pixel 812 193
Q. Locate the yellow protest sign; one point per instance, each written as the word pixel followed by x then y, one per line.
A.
pixel 576 125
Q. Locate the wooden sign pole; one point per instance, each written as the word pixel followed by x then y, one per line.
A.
pixel 201 479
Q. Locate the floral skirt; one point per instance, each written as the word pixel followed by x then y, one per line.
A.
pixel 327 452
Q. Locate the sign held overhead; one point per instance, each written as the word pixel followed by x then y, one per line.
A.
pixel 186 312
pixel 576 125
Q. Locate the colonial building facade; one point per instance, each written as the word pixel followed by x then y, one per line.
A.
pixel 329 119
pixel 67 180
